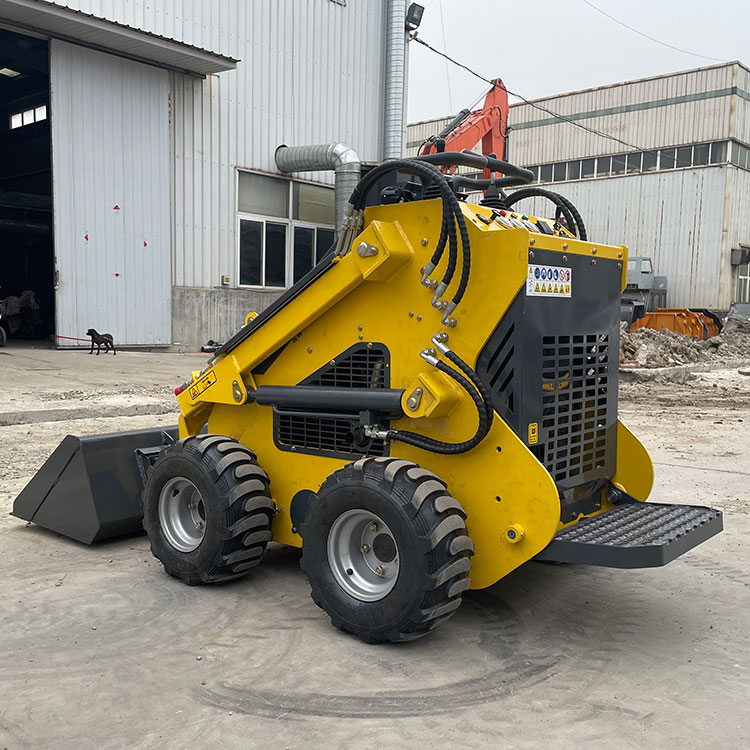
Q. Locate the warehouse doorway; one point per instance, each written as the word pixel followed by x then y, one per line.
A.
pixel 26 237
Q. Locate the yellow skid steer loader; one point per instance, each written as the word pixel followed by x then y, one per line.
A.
pixel 432 406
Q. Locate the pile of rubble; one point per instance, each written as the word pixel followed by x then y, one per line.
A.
pixel 648 348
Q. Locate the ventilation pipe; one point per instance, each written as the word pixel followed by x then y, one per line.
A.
pixel 395 77
pixel 339 157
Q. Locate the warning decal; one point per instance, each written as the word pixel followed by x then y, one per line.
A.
pixel 549 281
pixel 202 385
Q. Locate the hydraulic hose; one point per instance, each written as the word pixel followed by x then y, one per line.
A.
pixel 484 391
pixel 438 446
pixel 568 210
pixel 452 215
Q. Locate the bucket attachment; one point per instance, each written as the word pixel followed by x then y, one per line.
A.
pixel 634 535
pixel 89 489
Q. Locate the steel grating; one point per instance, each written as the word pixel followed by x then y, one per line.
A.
pixel 634 535
pixel 575 373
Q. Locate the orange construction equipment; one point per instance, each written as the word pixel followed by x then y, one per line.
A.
pixel 678 319
pixel 488 125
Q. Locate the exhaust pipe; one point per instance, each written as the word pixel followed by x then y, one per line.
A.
pixel 339 157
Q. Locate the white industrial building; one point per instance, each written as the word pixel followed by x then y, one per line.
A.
pixel 681 196
pixel 138 191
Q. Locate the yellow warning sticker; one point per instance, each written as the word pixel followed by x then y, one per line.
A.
pixel 533 433
pixel 202 385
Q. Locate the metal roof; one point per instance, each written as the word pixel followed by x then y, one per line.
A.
pixel 110 36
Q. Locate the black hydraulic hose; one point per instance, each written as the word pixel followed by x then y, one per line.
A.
pixel 581 233
pixel 569 211
pixel 466 260
pixel 470 159
pixel 484 391
pixel 451 207
pixel 438 446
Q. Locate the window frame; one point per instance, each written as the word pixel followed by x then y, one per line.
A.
pixel 288 221
pixel 742 292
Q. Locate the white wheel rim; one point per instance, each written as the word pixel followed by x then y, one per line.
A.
pixel 363 555
pixel 182 514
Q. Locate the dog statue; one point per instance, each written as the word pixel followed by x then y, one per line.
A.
pixel 101 340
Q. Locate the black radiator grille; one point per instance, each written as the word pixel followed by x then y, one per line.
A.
pixel 498 367
pixel 329 435
pixel 360 367
pixel 575 373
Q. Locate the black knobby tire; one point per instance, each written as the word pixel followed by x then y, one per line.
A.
pixel 3 336
pixel 429 530
pixel 236 503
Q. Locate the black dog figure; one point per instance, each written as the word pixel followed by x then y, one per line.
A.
pixel 101 339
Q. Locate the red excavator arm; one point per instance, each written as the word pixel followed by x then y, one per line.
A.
pixel 489 125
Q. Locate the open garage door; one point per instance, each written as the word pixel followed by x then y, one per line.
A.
pixel 110 172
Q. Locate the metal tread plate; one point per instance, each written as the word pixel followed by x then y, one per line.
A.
pixel 634 535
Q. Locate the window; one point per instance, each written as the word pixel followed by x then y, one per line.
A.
pixel 718 152
pixel 28 117
pixel 587 167
pixel 618 164
pixel 740 155
pixel 559 172
pixel 545 173
pixel 262 253
pixel 285 227
pixel 684 156
pixel 535 172
pixel 574 170
pixel 667 158
pixel 310 245
pixel 700 154
pixel 633 163
pixel 603 166
pixel 743 283
pixel 650 161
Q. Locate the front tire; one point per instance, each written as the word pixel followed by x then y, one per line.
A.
pixel 207 509
pixel 386 551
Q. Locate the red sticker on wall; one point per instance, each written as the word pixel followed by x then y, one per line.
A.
pixel 117 274
pixel 116 207
pixel 145 244
pixel 86 237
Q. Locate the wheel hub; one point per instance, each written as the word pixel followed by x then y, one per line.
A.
pixel 182 514
pixel 363 555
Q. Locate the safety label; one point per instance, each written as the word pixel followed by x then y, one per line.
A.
pixel 202 385
pixel 549 281
pixel 533 433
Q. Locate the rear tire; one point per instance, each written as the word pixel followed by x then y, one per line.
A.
pixel 207 509
pixel 386 551
pixel 3 337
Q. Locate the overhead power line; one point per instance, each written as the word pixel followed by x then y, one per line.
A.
pixel 556 115
pixel 646 36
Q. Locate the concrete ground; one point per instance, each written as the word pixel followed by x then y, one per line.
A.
pixel 101 649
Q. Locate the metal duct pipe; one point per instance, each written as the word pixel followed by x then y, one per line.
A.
pixel 339 157
pixel 395 75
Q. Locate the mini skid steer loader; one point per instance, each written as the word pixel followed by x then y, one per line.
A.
pixel 432 406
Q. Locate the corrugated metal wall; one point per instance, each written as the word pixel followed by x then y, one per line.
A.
pixel 711 115
pixel 111 167
pixel 676 218
pixel 706 118
pixel 311 71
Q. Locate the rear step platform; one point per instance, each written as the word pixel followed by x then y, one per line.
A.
pixel 634 535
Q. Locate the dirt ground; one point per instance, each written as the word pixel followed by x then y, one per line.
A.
pixel 102 650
